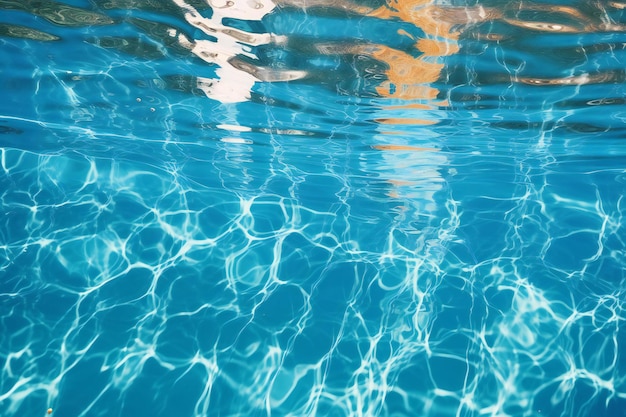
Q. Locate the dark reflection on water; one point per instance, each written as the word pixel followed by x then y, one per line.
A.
pixel 58 13
pixel 25 32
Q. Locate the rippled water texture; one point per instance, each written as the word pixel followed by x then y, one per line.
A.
pixel 312 208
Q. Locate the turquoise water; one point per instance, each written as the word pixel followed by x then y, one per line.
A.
pixel 247 208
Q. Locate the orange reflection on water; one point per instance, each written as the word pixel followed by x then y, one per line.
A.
pixel 410 77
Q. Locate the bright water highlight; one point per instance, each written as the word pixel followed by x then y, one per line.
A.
pixel 312 208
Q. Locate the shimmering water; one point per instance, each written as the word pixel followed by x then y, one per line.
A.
pixel 312 208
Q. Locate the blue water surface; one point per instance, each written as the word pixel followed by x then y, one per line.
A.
pixel 324 208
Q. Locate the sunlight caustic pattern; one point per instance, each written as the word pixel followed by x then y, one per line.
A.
pixel 255 214
pixel 143 281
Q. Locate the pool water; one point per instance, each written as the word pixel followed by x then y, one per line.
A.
pixel 321 208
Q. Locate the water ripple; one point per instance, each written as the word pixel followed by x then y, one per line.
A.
pixel 320 208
